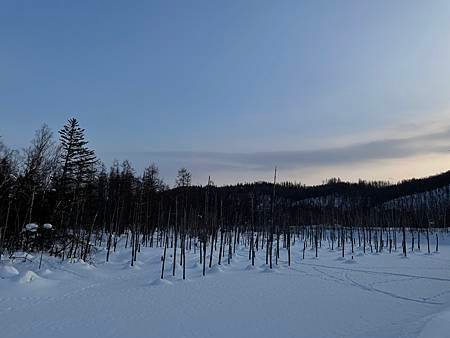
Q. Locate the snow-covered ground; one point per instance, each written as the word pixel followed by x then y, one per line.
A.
pixel 373 295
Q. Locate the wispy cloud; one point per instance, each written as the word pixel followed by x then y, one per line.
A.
pixel 201 163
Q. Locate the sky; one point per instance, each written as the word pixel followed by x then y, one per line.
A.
pixel 231 89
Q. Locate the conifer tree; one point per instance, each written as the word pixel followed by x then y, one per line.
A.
pixel 77 159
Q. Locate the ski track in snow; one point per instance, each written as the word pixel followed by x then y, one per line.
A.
pixel 372 295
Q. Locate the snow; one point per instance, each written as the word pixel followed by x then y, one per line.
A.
pixel 8 271
pixel 29 277
pixel 31 227
pixel 373 295
pixel 438 326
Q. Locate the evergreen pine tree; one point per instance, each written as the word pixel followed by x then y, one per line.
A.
pixel 78 160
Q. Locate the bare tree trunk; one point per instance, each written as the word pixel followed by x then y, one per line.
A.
pixel 229 249
pixel 166 243
pixel 289 247
pixel 211 251
pixel 204 255
pixel 404 241
pixel 184 258
pixel 304 248
pixel 221 246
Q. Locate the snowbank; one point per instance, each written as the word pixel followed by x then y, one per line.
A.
pixel 7 271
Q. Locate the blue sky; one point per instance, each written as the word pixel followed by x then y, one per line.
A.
pixel 212 84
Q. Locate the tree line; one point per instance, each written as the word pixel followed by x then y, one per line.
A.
pixel 56 196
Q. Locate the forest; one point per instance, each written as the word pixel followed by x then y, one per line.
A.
pixel 58 198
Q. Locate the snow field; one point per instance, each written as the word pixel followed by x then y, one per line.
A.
pixel 371 295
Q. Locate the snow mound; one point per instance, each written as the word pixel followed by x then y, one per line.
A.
pixel 87 266
pixel 195 265
pixel 21 255
pixel 29 277
pixel 349 261
pixel 215 268
pixel 160 281
pixel 127 266
pixel 250 268
pixel 8 271
pixel 32 227
pixel 266 269
pixel 47 226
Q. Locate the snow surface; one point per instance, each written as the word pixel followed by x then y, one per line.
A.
pixel 8 271
pixel 372 295
pixel 438 326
